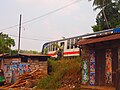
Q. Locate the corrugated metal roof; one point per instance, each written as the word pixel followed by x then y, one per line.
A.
pixel 99 39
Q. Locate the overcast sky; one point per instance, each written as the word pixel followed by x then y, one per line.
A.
pixel 74 20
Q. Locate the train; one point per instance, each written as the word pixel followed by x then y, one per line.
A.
pixel 70 49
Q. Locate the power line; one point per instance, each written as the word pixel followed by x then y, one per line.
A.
pixel 8 27
pixel 46 14
pixel 29 38
pixel 52 12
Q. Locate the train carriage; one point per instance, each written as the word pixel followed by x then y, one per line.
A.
pixel 70 49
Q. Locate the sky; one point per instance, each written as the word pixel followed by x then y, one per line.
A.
pixel 70 21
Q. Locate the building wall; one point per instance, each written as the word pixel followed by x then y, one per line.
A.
pixel 36 64
pixel 13 67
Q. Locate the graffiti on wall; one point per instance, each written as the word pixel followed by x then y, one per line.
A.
pixel 108 68
pixel 92 67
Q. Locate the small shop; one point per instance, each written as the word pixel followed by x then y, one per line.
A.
pixel 101 60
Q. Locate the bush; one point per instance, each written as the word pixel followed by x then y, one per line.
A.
pixel 60 70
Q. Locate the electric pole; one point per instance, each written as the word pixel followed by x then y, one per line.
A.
pixel 19 33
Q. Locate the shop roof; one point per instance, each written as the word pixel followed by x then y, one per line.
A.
pixel 97 39
pixel 23 54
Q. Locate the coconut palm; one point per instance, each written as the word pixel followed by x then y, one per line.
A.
pixel 108 14
pixel 102 4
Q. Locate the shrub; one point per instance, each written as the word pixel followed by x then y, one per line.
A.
pixel 60 70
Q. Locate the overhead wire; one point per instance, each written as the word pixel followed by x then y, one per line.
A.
pixel 51 12
pixel 28 38
pixel 46 14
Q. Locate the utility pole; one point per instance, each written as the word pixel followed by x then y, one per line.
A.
pixel 19 33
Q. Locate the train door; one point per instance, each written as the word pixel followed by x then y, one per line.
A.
pixel 62 45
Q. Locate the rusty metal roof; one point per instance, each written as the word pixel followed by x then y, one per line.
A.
pixel 23 54
pixel 99 39
pixel 32 55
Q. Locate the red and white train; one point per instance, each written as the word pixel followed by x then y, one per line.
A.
pixel 68 44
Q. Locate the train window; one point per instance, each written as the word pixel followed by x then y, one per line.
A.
pixel 56 46
pixel 53 46
pixel 76 39
pixel 46 49
pixel 72 43
pixel 50 47
pixel 62 44
pixel 68 44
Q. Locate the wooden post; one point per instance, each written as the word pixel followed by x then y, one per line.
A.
pixel 100 66
pixel 114 64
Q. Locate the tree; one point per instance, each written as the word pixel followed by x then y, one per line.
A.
pixel 30 52
pixel 6 43
pixel 109 16
pixel 14 52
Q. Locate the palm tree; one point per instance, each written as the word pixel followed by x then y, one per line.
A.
pixel 106 7
pixel 102 4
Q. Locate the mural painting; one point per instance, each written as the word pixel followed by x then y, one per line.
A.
pixel 8 73
pixel 92 67
pixel 14 70
pixel 108 68
pixel 85 77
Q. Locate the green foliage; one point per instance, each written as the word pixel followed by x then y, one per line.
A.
pixel 46 51
pixel 96 28
pixel 6 43
pixel 109 15
pixel 48 83
pixel 13 52
pixel 56 45
pixel 29 51
pixel 60 69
